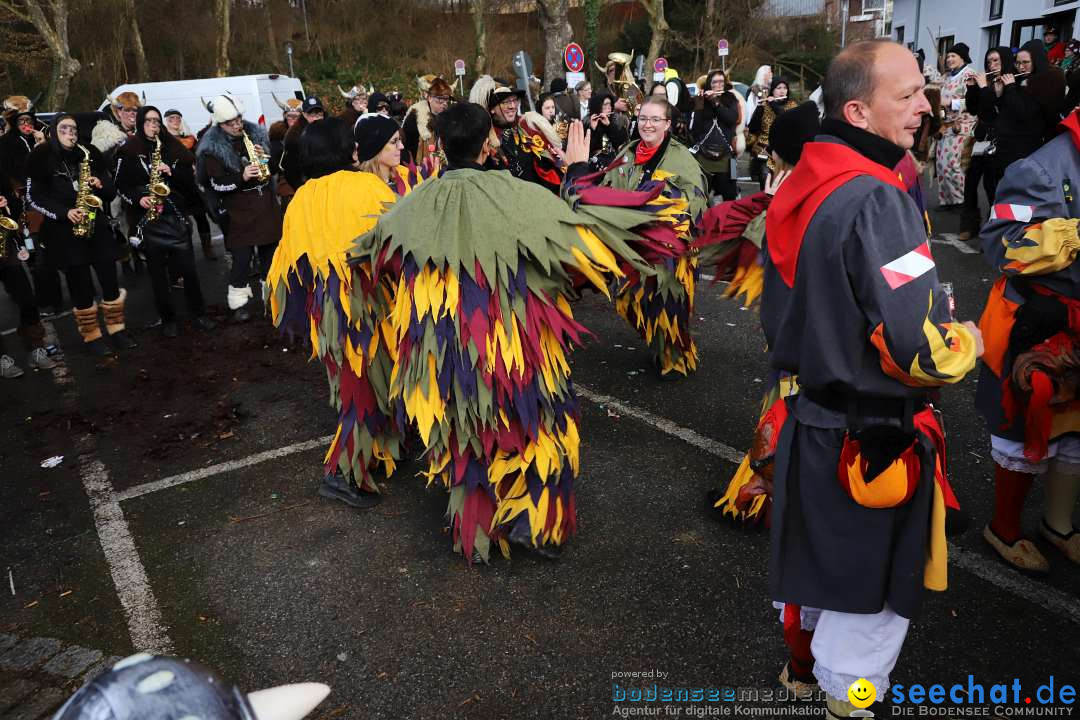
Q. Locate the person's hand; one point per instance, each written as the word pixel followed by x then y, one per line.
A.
pixel 773 182
pixel 1007 79
pixel 577 144
pixel 39 137
pixel 146 201
pixel 3 202
pixel 974 330
pixel 621 106
pixel 76 216
pixel 593 120
pixel 605 119
pixel 251 172
pixel 163 168
pixel 980 79
pixel 95 183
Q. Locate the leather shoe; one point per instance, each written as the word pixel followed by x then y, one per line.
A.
pixel 335 487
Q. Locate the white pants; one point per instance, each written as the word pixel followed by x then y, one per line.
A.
pixel 1009 454
pixel 849 646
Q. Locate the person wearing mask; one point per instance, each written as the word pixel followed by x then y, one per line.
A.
pixel 608 130
pixel 163 230
pixel 712 131
pixel 174 123
pixel 957 128
pixel 310 276
pixel 766 112
pixel 239 195
pixel 859 492
pixel 981 100
pixel 78 240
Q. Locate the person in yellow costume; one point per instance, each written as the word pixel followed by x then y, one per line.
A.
pixel 309 287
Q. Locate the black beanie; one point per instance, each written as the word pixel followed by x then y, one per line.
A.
pixel 776 82
pixel 558 85
pixel 372 131
pixel 793 129
pixel 963 51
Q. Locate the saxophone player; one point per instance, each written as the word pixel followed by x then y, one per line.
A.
pixel 231 158
pixel 60 171
pixel 155 177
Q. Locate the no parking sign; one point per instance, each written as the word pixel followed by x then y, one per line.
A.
pixel 574 57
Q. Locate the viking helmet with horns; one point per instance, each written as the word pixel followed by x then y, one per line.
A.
pixel 290 105
pixel 357 89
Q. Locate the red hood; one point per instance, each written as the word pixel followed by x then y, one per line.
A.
pixel 823 167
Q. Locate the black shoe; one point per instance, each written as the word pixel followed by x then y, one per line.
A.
pixel 122 340
pixel 242 314
pixel 204 323
pixel 336 487
pixel 519 535
pixel 169 329
pixel 99 348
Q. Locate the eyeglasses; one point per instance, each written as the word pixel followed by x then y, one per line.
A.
pixel 1022 62
pixel 508 102
pixel 67 130
pixel 441 98
pixel 152 121
pixel 235 122
pixel 129 110
pixel 651 120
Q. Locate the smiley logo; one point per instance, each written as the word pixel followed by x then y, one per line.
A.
pixel 862 693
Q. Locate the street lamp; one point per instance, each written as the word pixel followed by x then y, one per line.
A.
pixel 289 51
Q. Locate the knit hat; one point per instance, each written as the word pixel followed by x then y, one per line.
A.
pixel 224 108
pixel 558 85
pixel 793 129
pixel 963 51
pixel 372 131
pixel 374 99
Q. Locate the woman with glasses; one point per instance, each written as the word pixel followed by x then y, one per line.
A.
pixel 660 306
pixel 79 239
pixel 166 238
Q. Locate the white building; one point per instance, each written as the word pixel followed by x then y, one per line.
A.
pixel 935 25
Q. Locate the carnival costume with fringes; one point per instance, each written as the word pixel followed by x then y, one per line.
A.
pixel 660 306
pixel 313 291
pixel 483 332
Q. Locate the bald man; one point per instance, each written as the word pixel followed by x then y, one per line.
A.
pixel 858 515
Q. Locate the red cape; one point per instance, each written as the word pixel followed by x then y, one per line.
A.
pixel 823 167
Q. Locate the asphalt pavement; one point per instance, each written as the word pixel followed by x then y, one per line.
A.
pixel 184 517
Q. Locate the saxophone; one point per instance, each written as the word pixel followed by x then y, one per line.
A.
pixel 256 155
pixel 8 232
pixel 85 200
pixel 157 188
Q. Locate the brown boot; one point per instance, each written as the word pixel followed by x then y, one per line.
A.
pixel 114 321
pixel 207 246
pixel 87 321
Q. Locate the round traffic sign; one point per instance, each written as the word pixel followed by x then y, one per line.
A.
pixel 660 65
pixel 721 44
pixel 459 64
pixel 574 57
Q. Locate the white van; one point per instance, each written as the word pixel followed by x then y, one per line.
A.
pixel 256 92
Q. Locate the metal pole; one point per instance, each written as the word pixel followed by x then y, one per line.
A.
pixel 843 24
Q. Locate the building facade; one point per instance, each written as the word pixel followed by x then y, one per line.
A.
pixel 935 25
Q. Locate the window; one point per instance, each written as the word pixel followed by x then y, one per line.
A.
pixel 874 6
pixel 900 34
pixel 996 7
pixel 993 36
pixel 943 44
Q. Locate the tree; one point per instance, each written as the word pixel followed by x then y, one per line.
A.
pixel 659 26
pixel 142 68
pixel 55 34
pixel 592 36
pixel 221 18
pixel 555 22
pixel 478 9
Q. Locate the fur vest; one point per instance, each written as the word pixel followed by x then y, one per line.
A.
pixel 423 120
pixel 217 143
pixel 107 135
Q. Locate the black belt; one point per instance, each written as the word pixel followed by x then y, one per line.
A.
pixel 866 406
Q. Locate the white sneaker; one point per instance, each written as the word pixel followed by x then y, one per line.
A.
pixel 8 368
pixel 40 360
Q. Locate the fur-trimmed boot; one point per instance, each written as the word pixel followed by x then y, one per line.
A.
pixel 87 321
pixel 207 246
pixel 114 322
pixel 238 299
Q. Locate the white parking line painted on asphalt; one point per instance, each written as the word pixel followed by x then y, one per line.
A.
pixel 210 471
pixel 953 240
pixel 685 434
pixel 145 625
pixel 1037 593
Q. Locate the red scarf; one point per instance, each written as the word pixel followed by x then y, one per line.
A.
pixel 823 167
pixel 644 154
pixel 1071 125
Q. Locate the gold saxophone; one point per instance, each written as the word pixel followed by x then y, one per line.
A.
pixel 256 155
pixel 158 189
pixel 85 200
pixel 8 228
